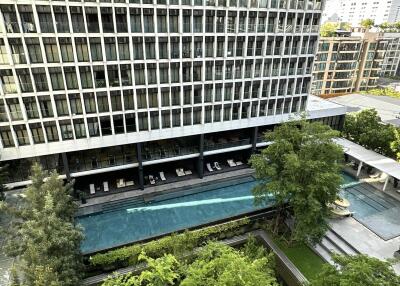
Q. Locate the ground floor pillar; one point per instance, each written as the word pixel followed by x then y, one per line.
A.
pixel 140 167
pixel 200 160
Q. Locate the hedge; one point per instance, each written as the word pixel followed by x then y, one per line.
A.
pixel 174 244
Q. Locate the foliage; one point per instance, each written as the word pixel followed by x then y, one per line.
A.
pixel 367 23
pixel 345 26
pixel 383 92
pixel 395 144
pixel 43 234
pixel 175 244
pixel 300 169
pixel 365 128
pixel 329 29
pixel 3 176
pixel 221 265
pixel 390 27
pixel 359 270
pixel 162 271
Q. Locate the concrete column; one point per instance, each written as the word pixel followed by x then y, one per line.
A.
pixel 140 167
pixel 66 166
pixel 254 139
pixel 359 168
pixel 200 161
pixel 386 183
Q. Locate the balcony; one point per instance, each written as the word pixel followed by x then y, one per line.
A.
pixel 46 27
pixel 223 143
pixel 62 27
pixel 9 88
pixel 12 27
pixel 28 27
pixel 26 87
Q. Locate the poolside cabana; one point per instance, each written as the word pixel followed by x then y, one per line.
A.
pixel 384 164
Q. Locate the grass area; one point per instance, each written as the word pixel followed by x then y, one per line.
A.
pixel 309 263
pixel 383 92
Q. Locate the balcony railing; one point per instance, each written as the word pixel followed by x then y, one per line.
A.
pixel 208 146
pixel 85 164
pixel 150 154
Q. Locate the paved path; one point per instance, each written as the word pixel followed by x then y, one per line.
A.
pixel 365 240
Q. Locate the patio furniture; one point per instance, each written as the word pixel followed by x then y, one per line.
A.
pixel 162 176
pixel 180 172
pixel 105 186
pixel 209 168
pixel 188 172
pixel 120 183
pixel 129 183
pixel 231 163
pixel 152 180
pixel 239 163
pixel 217 166
pixel 92 189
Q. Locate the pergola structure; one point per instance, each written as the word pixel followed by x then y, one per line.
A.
pixel 364 156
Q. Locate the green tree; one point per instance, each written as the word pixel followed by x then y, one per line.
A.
pixel 359 270
pixel 43 234
pixel 365 128
pixel 301 169
pixel 367 23
pixel 221 265
pixel 385 26
pixel 395 145
pixel 345 26
pixel 162 271
pixel 328 29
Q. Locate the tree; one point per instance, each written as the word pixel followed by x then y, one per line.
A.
pixel 359 270
pixel 367 23
pixel 42 233
pixel 365 128
pixel 385 26
pixel 395 144
pixel 162 271
pixel 221 265
pixel 329 29
pixel 301 169
pixel 345 26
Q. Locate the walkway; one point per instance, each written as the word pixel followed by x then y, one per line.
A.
pixel 94 204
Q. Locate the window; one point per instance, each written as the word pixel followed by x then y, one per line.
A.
pixel 6 137
pixel 79 127
pixel 75 103
pixel 31 107
pixel 116 104
pixel 70 78
pixel 102 102
pixel 45 106
pixel 51 131
pixel 22 134
pixel 66 130
pixel 93 127
pixel 57 80
pixel 90 102
pixel 37 133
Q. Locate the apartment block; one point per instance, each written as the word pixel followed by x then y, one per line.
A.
pixel 104 90
pixel 348 63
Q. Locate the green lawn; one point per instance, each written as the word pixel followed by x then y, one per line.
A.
pixel 309 263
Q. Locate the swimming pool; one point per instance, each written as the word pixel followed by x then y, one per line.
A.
pixel 376 210
pixel 168 213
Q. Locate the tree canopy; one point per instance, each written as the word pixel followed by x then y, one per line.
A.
pixel 359 270
pixel 367 23
pixel 215 264
pixel 42 233
pixel 365 128
pixel 329 29
pixel 300 169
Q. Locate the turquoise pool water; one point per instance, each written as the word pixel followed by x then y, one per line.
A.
pixel 168 214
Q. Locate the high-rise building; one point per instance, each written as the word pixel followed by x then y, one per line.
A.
pixel 354 11
pixel 349 63
pixel 118 87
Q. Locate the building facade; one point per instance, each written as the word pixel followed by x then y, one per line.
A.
pixel 117 87
pixel 348 64
pixel 354 11
pixel 391 62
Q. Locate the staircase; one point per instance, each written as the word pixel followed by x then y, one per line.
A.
pixel 122 204
pixel 332 243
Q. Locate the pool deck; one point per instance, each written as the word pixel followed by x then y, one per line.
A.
pixel 93 204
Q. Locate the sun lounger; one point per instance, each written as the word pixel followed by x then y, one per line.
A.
pixel 105 186
pixel 120 183
pixel 129 183
pixel 231 163
pixel 92 189
pixel 188 172
pixel 239 163
pixel 162 176
pixel 180 172
pixel 375 175
pixel 217 166
pixel 209 167
pixel 152 180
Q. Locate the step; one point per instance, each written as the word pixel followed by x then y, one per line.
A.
pixel 330 247
pixel 323 253
pixel 341 243
pixel 113 206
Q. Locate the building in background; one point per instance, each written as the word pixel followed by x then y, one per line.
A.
pixel 126 89
pixel 391 62
pixel 354 11
pixel 346 64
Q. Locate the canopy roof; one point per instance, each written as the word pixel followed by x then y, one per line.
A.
pixel 371 158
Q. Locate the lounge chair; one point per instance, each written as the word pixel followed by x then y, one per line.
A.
pixel 129 183
pixel 152 180
pixel 121 183
pixel 162 176
pixel 209 168
pixel 105 186
pixel 217 166
pixel 239 163
pixel 231 163
pixel 188 172
pixel 92 189
pixel 180 172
